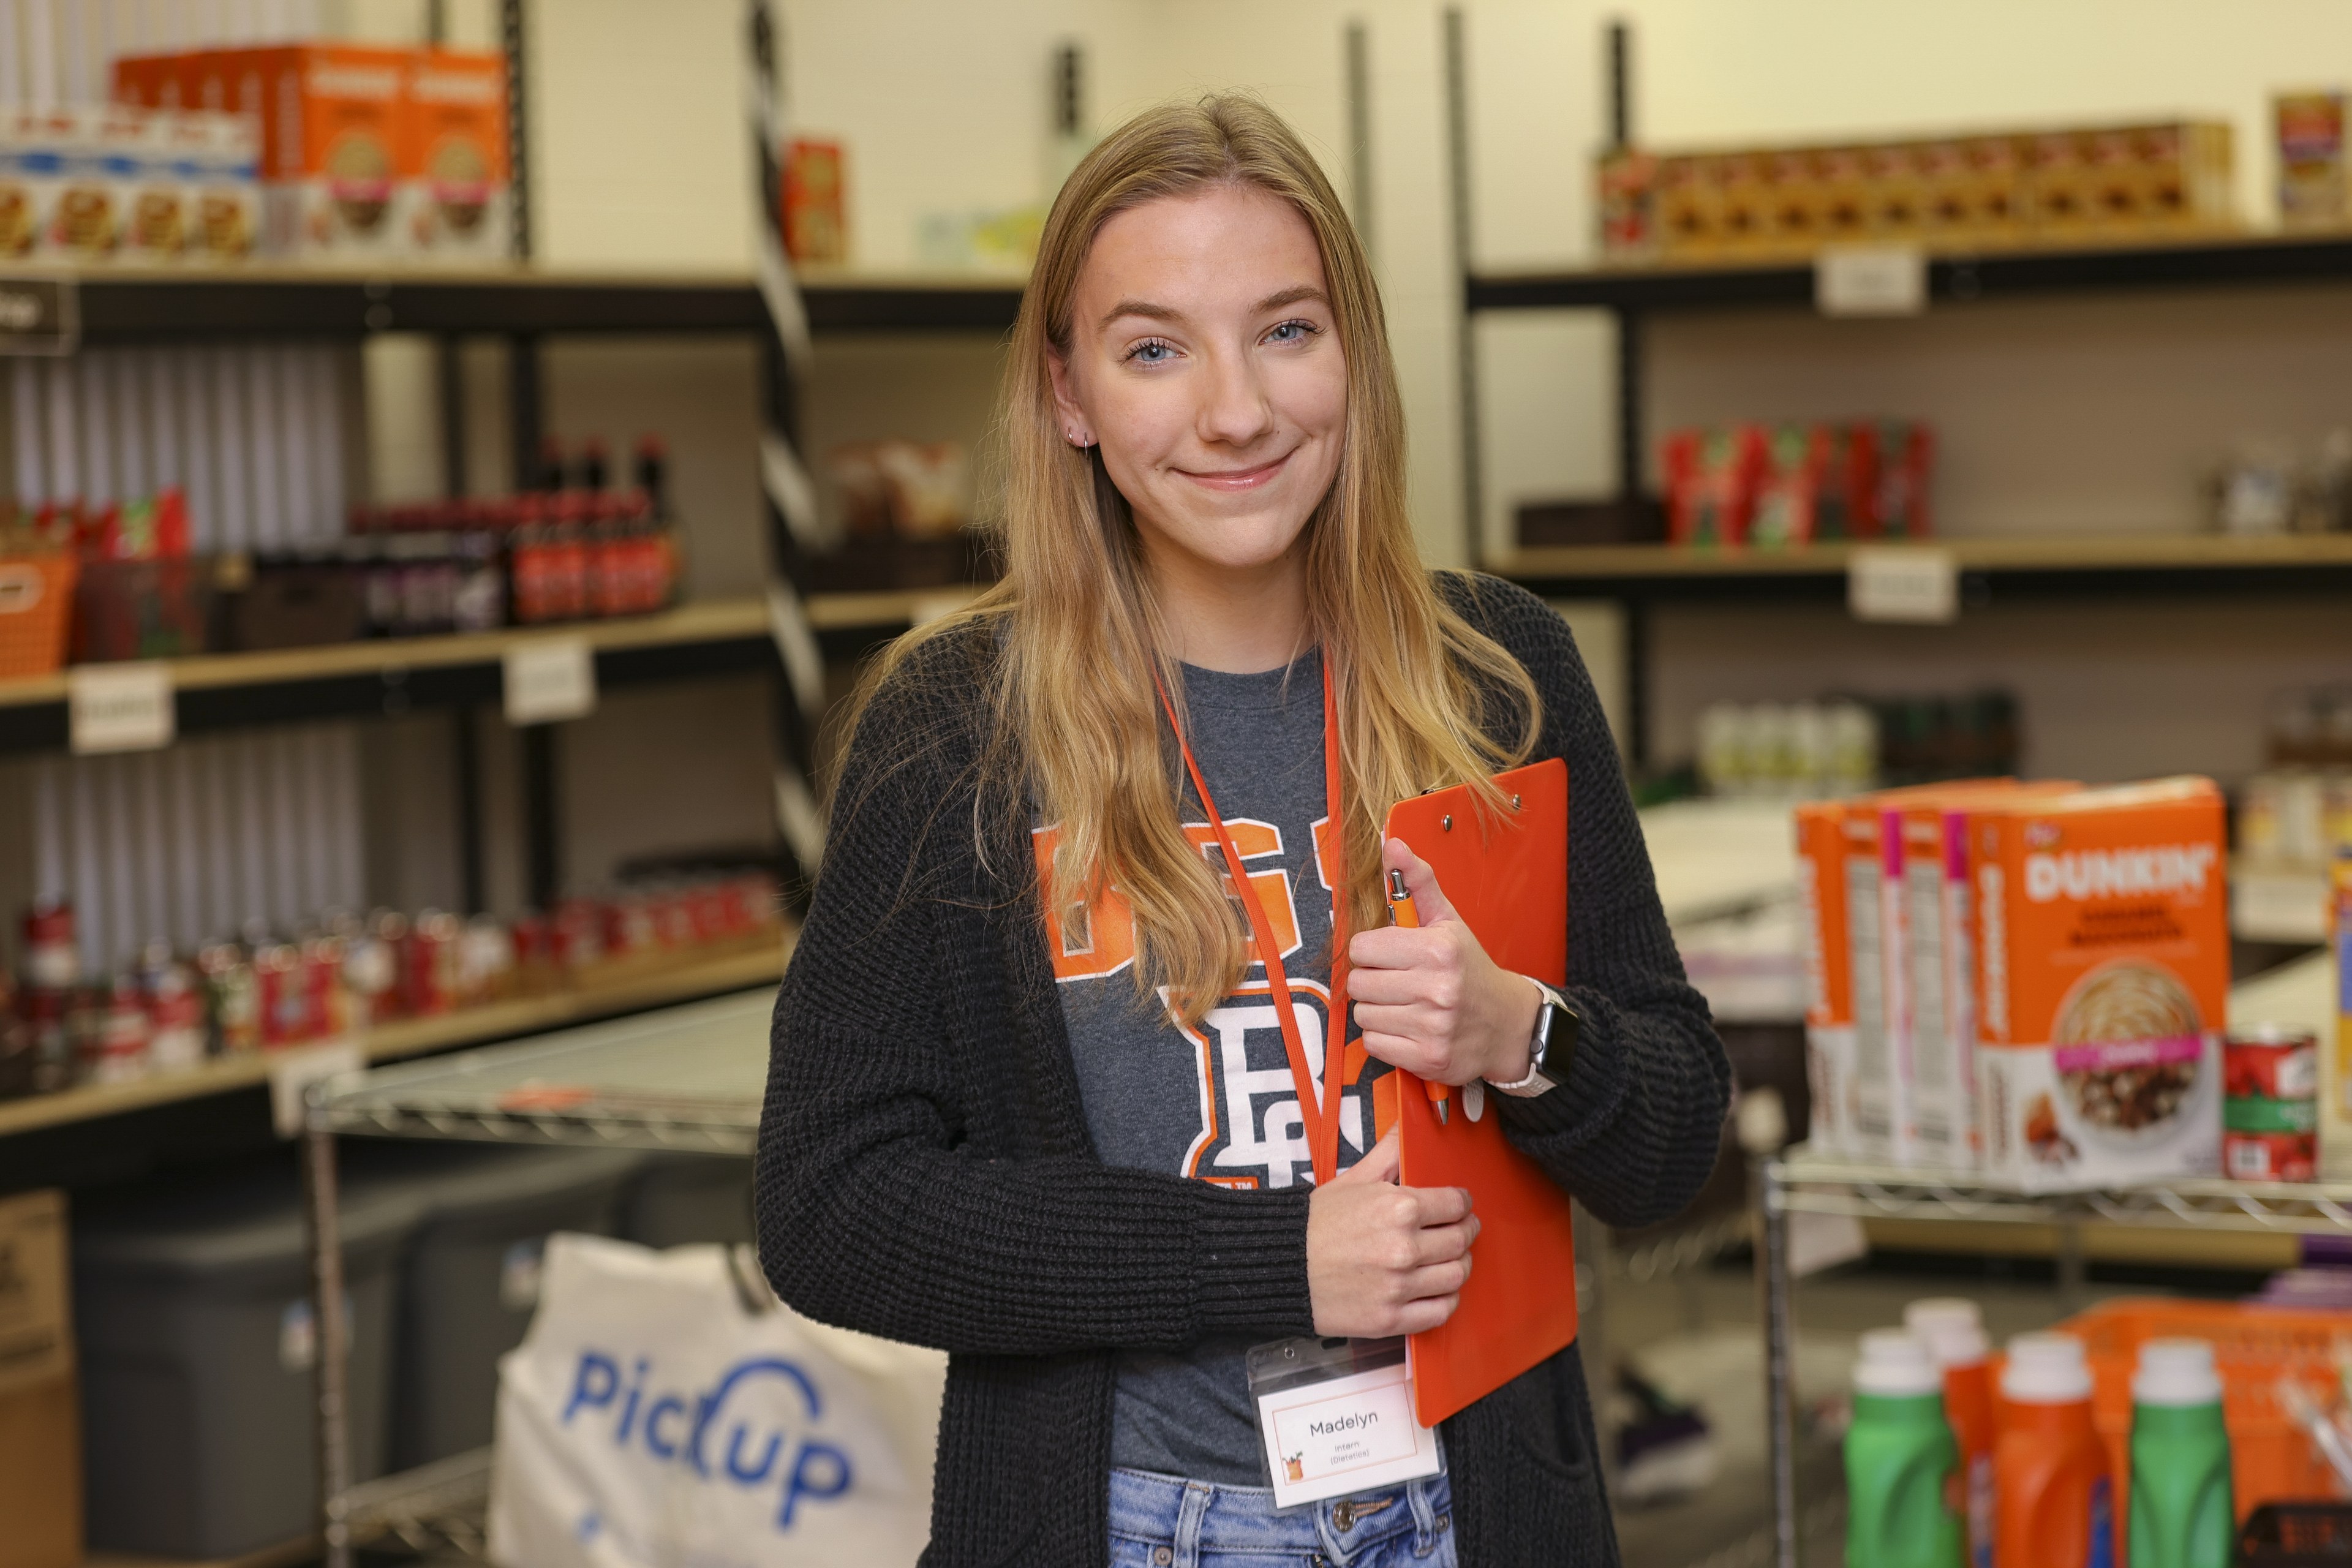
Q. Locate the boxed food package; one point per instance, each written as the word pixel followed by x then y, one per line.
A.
pixel 69 201
pixel 2336 1110
pixel 1883 1126
pixel 222 171
pixel 455 187
pixel 332 131
pixel 1628 205
pixel 2311 192
pixel 40 1406
pixel 1829 983
pixel 2102 972
pixel 815 203
pixel 151 191
pixel 1931 1023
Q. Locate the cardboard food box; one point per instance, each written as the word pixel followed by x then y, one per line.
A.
pixel 1829 981
pixel 40 1406
pixel 2310 129
pixel 332 128
pixel 1934 1037
pixel 455 192
pixel 2103 974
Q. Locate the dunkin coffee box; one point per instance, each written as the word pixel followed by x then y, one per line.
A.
pixel 1829 983
pixel 2102 975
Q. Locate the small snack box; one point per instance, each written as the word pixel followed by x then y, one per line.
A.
pixel 1829 981
pixel 331 128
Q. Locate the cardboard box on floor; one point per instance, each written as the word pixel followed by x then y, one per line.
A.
pixel 40 1408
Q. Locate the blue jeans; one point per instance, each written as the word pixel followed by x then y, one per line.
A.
pixel 1158 1522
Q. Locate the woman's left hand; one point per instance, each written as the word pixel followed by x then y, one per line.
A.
pixel 1429 1000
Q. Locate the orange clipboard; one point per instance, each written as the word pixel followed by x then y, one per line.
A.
pixel 1507 877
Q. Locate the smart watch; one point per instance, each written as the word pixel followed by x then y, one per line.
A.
pixel 1556 1027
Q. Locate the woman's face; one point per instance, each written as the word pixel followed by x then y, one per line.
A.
pixel 1205 360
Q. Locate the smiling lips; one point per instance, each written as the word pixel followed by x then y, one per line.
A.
pixel 1237 479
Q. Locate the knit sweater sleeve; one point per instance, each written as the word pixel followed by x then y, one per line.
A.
pixel 1633 1129
pixel 887 1200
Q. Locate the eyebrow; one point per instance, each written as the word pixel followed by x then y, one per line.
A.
pixel 1274 302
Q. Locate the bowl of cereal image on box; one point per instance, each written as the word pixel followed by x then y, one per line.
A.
pixel 2128 1048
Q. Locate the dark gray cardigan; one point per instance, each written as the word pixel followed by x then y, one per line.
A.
pixel 925 1174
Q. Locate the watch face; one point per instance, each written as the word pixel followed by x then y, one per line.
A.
pixel 1558 1035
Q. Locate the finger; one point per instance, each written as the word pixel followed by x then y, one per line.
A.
pixel 1443 1242
pixel 1389 948
pixel 1402 1051
pixel 1437 1279
pixel 1441 1206
pixel 1393 977
pixel 1428 899
pixel 1379 1164
pixel 1430 1312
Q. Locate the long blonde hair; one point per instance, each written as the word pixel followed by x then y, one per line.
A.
pixel 1419 691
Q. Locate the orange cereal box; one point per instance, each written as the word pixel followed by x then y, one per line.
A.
pixel 455 192
pixel 1829 983
pixel 2103 978
pixel 1934 1036
pixel 333 132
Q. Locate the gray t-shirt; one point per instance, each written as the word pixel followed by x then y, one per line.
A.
pixel 1215 1102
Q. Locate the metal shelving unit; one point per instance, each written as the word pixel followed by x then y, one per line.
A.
pixel 1640 578
pixel 688 1078
pixel 1799 1182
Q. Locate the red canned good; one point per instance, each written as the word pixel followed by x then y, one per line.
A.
pixel 52 961
pixel 322 968
pixel 2271 1061
pixel 673 917
pixel 629 926
pixel 579 933
pixel 283 984
pixel 2271 1156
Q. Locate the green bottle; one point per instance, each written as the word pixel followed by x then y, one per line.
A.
pixel 2182 1515
pixel 1902 1466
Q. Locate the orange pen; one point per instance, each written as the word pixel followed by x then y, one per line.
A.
pixel 1400 910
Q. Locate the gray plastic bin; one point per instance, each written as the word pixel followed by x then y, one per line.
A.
pixel 470 1280
pixel 681 1199
pixel 192 1301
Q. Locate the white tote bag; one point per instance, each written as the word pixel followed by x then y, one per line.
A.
pixel 666 1412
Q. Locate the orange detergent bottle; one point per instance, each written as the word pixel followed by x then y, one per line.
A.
pixel 2055 1504
pixel 1952 1328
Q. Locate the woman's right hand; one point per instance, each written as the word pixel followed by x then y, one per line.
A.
pixel 1385 1260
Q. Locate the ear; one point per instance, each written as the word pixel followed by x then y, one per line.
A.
pixel 1066 412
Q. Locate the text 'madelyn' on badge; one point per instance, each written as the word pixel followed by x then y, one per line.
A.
pixel 1336 1417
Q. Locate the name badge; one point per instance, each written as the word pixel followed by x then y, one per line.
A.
pixel 1336 1417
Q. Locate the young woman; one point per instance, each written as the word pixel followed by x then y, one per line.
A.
pixel 1031 1098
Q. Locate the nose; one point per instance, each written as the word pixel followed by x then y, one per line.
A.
pixel 1234 408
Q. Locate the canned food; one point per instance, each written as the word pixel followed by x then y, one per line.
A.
pixel 428 969
pixel 2270 1104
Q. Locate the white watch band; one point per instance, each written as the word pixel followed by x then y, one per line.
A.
pixel 1535 1083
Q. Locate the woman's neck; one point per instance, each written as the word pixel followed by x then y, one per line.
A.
pixel 1235 619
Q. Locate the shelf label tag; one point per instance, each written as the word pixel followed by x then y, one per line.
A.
pixel 39 316
pixel 292 1072
pixel 1903 583
pixel 119 707
pixel 1871 280
pixel 548 678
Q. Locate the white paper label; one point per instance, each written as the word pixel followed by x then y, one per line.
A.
pixel 1871 280
pixel 292 1072
pixel 119 707
pixel 1887 582
pixel 1327 1440
pixel 549 679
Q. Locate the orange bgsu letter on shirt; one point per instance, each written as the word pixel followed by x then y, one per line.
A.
pixel 1084 940
pixel 1252 840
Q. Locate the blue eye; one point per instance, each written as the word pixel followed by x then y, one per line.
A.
pixel 1151 351
pixel 1292 332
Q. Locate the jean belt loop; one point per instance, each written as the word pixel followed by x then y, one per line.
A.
pixel 1189 1514
pixel 1424 1518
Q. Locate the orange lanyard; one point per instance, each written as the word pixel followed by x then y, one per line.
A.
pixel 1319 1117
